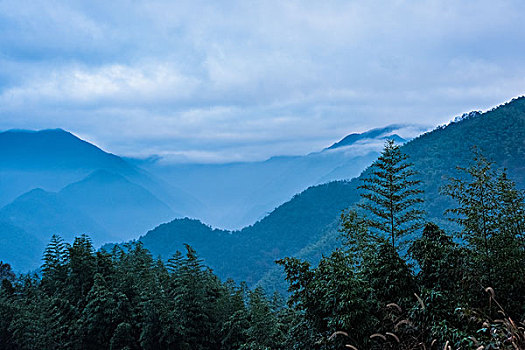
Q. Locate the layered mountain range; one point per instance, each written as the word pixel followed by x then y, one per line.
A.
pixel 52 182
pixel 307 225
pixel 236 195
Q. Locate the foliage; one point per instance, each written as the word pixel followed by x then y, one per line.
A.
pixel 127 300
pixel 391 195
pixel 491 213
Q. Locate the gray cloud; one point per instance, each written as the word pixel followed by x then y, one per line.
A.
pixel 227 81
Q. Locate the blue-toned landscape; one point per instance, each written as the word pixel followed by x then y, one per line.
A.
pixel 262 175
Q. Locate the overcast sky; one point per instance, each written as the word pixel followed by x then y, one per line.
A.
pixel 222 81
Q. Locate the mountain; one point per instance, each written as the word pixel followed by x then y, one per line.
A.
pixel 53 182
pixel 238 194
pixel 100 205
pixel 111 200
pixel 44 213
pixel 30 221
pixel 287 229
pixel 49 159
pixel 53 159
pixel 53 148
pixel 208 242
pixel 16 245
pixel 307 224
pixel 378 134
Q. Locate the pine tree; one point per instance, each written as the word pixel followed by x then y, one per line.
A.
pixel 391 195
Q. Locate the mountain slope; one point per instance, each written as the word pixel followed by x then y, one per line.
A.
pixel 307 224
pixel 48 159
pixel 120 206
pixel 16 245
pixel 44 213
pixel 378 134
pixel 286 230
pixel 56 148
pixel 239 194
pixel 106 190
pixel 30 221
pixel 53 159
pixel 210 243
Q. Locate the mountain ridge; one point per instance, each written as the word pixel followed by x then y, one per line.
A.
pixel 236 195
pixel 311 216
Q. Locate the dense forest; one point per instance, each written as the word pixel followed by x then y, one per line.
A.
pixel 397 282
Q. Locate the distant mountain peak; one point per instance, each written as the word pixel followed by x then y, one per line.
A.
pixel 377 134
pixel 42 131
pixel 53 149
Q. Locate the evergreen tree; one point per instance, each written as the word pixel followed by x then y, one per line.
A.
pixel 439 258
pixel 389 276
pixel 7 313
pixel 512 205
pixel 262 332
pixel 235 326
pixel 98 322
pixel 54 270
pixel 122 338
pixel 441 274
pixel 194 293
pixel 476 210
pixel 81 268
pixel 6 272
pixel 391 195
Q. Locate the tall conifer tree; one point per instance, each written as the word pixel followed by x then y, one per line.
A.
pixel 391 195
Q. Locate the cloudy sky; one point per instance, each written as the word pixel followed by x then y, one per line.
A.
pixel 223 80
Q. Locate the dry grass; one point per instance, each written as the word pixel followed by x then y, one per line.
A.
pixel 499 333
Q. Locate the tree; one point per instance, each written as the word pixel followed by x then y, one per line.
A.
pixel 491 215
pixel 122 338
pixel 476 211
pixel 194 292
pixel 81 267
pixel 6 272
pixel 391 195
pixel 331 297
pixel 97 322
pixel 54 270
pixel 262 331
pixel 511 207
pixel 439 259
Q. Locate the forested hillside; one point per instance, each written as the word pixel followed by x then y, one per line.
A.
pixel 305 226
pixel 376 291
